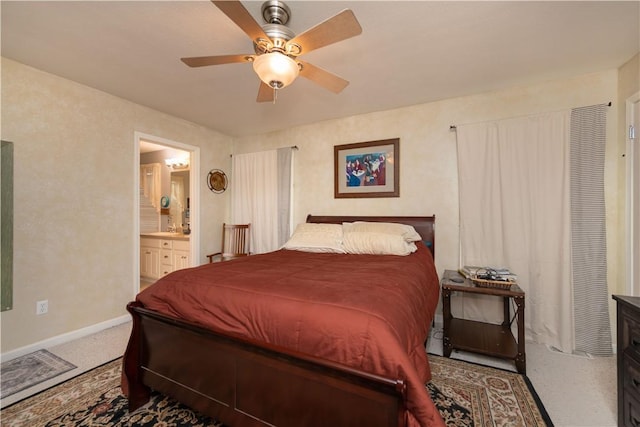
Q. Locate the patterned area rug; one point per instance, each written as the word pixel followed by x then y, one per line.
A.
pixel 31 369
pixel 465 394
pixel 491 397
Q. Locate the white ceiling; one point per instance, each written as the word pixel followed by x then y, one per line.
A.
pixel 410 52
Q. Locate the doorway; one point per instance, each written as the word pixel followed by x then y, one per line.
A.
pixel 170 157
pixel 633 195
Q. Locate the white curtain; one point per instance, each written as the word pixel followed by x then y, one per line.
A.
pixel 260 195
pixel 150 182
pixel 514 212
pixel 285 162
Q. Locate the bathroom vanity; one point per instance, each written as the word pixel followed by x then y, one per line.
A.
pixel 163 252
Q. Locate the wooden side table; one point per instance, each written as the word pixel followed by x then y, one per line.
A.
pixel 481 337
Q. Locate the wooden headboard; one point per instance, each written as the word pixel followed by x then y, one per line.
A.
pixel 424 225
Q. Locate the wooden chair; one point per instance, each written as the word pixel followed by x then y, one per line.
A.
pixel 235 242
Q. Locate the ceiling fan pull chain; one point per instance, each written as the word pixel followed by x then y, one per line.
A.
pixel 275 95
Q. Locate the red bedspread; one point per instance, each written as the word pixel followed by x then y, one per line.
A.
pixel 370 312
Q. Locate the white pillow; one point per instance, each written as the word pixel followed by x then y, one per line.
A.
pixel 310 237
pixel 408 233
pixel 356 241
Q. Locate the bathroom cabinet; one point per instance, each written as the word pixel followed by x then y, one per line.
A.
pixel 161 254
pixel 149 258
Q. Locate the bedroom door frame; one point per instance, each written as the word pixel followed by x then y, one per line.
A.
pixel 633 194
pixel 194 191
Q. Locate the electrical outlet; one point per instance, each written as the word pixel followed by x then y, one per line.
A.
pixel 42 307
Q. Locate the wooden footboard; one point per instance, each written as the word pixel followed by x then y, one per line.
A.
pixel 244 383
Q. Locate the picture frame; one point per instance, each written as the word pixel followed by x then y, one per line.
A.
pixel 367 169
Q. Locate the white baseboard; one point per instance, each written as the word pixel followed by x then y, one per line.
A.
pixel 64 338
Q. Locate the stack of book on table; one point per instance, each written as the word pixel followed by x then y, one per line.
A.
pixel 489 276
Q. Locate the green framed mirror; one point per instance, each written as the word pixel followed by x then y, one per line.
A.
pixel 6 226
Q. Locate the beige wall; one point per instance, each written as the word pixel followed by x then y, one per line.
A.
pixel 429 181
pixel 628 85
pixel 74 192
pixel 629 82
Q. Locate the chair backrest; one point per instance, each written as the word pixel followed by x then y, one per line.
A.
pixel 235 240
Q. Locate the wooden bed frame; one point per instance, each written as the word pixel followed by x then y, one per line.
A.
pixel 243 382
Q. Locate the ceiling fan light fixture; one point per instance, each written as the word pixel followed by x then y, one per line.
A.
pixel 276 69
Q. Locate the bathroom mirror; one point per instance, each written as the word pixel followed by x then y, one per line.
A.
pixel 179 205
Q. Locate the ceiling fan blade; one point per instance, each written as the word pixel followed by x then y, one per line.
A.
pixel 339 27
pixel 242 18
pixel 322 77
pixel 265 93
pixel 203 61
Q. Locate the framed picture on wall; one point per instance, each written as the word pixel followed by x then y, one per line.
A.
pixel 367 169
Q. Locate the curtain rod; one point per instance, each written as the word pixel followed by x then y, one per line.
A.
pixel 293 147
pixel 454 127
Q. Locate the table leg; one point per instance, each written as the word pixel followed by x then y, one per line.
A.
pixel 521 358
pixel 507 312
pixel 446 314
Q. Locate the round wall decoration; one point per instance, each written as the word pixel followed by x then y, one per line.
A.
pixel 217 181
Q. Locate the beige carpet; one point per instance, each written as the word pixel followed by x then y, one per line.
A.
pixel 466 394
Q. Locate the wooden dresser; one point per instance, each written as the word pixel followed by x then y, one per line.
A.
pixel 628 319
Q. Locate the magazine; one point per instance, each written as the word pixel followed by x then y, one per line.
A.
pixel 490 273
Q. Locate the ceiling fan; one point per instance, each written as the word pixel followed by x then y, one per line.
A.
pixel 277 47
